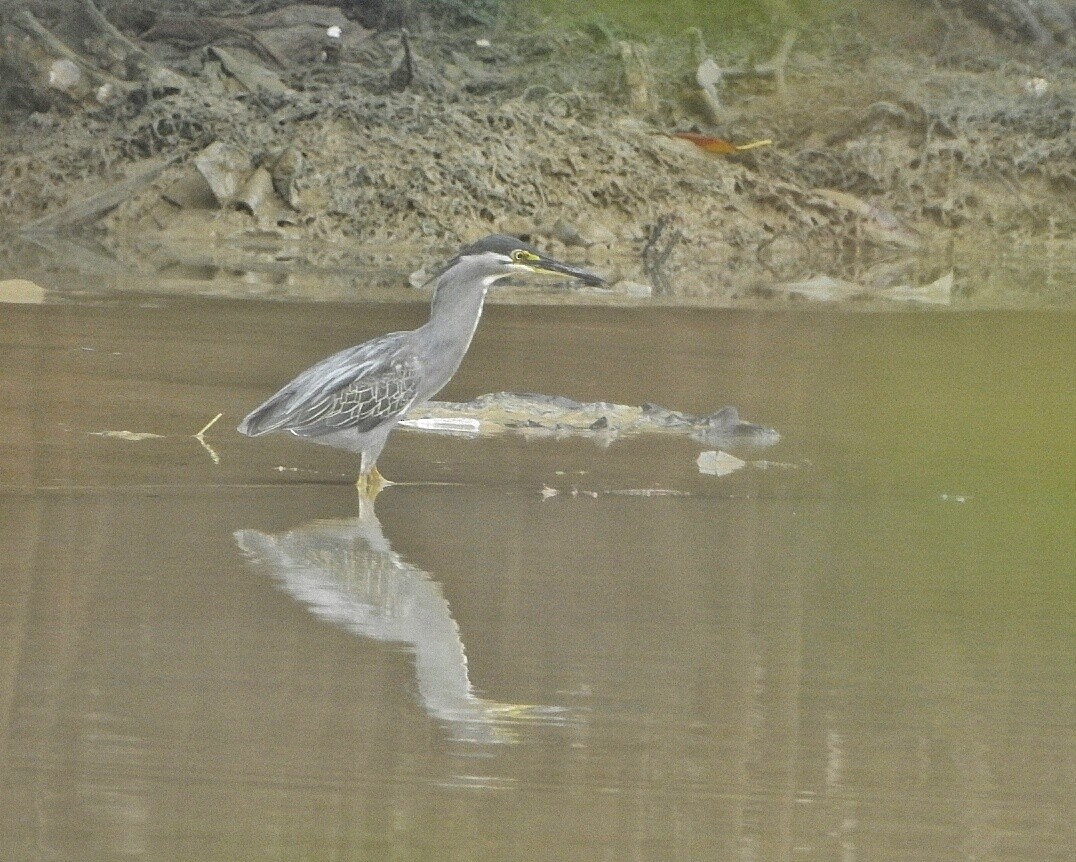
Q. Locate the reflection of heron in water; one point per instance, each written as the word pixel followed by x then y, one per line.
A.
pixel 346 572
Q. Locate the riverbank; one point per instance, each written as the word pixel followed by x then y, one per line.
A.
pixel 933 166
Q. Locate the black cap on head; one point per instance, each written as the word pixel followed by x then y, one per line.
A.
pixel 497 242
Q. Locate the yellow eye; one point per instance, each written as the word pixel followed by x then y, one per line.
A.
pixel 519 255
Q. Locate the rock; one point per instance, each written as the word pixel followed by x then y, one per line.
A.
pixel 420 278
pixel 632 288
pixel 286 169
pixel 190 191
pixel 571 235
pixel 257 196
pixel 517 227
pixel 225 168
pixel 65 75
pixel 726 426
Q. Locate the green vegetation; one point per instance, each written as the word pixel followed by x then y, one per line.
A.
pixel 719 20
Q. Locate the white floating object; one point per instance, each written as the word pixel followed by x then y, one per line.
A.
pixel 718 463
pixel 448 425
pixel 334 32
pixel 132 436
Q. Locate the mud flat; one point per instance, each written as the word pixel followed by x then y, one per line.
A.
pixel 865 163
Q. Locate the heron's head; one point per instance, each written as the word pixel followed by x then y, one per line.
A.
pixel 498 256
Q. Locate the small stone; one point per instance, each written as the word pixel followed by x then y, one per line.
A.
pixel 633 288
pixel 64 75
pixel 225 168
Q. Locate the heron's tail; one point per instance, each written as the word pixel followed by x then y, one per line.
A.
pixel 263 419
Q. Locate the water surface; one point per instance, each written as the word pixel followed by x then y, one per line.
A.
pixel 211 653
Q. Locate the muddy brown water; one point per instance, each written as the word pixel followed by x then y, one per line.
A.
pixel 864 655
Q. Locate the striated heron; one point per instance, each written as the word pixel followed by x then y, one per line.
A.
pixel 353 399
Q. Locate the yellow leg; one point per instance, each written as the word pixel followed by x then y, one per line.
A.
pixel 370 483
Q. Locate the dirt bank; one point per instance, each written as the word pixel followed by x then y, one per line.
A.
pixel 331 167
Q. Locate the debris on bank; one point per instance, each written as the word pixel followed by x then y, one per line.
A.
pixel 297 139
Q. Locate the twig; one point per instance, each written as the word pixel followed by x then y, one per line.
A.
pixel 200 437
pixel 208 425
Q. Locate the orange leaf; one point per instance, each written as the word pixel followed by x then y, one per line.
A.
pixel 707 142
pixel 718 145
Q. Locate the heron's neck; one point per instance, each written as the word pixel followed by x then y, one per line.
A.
pixel 454 316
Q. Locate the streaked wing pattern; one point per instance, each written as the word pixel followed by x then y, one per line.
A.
pixel 357 389
pixel 363 404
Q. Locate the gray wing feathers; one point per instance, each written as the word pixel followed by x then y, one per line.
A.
pixel 358 388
